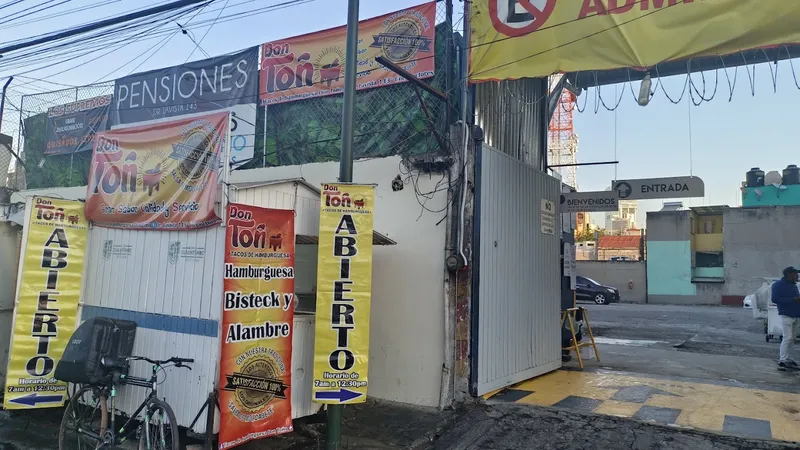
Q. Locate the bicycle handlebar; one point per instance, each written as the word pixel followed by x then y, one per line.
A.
pixel 179 362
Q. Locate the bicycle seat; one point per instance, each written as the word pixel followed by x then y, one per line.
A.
pixel 112 363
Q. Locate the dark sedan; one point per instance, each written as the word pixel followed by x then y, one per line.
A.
pixel 588 289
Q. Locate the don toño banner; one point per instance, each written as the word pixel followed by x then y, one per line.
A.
pixel 344 294
pixel 536 38
pixel 162 176
pixel 228 82
pixel 312 65
pixel 71 128
pixel 46 311
pixel 257 323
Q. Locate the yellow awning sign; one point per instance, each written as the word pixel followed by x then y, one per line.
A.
pixel 536 38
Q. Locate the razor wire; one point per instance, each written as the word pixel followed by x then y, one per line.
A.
pixel 389 121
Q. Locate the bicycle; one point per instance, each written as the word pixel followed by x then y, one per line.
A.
pixel 94 399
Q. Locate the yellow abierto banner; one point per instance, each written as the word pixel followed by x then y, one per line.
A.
pixel 47 302
pixel 344 292
pixel 536 38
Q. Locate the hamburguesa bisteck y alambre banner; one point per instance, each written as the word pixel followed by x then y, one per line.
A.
pixel 257 322
pixel 162 176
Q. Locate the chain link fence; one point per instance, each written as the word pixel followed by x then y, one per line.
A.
pixel 37 170
pixel 388 121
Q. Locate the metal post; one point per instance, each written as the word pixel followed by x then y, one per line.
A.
pixel 351 64
pixel 448 58
pixel 264 161
pixel 3 100
pixel 333 437
pixel 226 168
pixel 464 69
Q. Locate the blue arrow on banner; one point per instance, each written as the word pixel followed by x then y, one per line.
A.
pixel 343 395
pixel 34 399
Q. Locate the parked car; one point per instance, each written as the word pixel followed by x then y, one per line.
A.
pixel 588 289
pixel 620 258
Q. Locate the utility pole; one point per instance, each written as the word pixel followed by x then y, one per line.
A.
pixel 333 437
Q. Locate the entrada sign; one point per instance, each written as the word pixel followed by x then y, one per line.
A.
pixel 653 188
pixel 573 202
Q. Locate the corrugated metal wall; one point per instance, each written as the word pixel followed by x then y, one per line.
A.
pixel 303 201
pixel 303 366
pixel 306 205
pixel 511 114
pixel 517 308
pixel 170 283
pixel 9 264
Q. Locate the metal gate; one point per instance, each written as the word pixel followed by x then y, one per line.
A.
pixel 516 290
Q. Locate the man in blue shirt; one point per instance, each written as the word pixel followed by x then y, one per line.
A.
pixel 787 297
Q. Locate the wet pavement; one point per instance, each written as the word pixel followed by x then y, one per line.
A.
pixel 511 426
pixel 724 407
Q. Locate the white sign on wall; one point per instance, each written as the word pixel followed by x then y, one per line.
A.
pixel 650 188
pixel 548 217
pixel 574 202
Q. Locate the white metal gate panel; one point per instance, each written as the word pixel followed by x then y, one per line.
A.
pixel 170 283
pixel 515 327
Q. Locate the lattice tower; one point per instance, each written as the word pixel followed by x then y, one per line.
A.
pixel 563 142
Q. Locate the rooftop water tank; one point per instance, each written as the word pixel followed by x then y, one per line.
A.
pixel 755 177
pixel 791 174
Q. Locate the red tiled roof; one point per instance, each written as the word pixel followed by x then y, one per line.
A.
pixel 619 242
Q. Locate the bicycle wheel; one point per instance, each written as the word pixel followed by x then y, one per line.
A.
pixel 85 420
pixel 160 427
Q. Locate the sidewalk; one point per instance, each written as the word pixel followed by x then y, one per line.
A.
pixel 511 426
pixel 728 407
pixel 383 425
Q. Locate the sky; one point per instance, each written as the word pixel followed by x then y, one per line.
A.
pixel 727 137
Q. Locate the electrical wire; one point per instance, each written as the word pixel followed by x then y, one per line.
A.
pixel 197 44
pixel 150 35
pixel 61 14
pixel 21 14
pixel 163 43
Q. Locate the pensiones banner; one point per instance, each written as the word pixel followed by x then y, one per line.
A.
pixel 71 128
pixel 312 65
pixel 257 325
pixel 228 82
pixel 163 176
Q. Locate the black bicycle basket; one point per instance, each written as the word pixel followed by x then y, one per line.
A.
pixel 94 339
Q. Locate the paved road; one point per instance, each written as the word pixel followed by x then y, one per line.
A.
pixel 703 343
pixel 700 329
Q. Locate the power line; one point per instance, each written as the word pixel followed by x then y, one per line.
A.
pixel 61 13
pixel 30 13
pixel 104 41
pixel 163 43
pixel 101 24
pixel 197 44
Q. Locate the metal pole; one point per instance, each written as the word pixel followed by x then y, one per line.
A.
pixel 264 162
pixel 351 64
pixel 333 437
pixel 3 100
pixel 226 167
pixel 448 58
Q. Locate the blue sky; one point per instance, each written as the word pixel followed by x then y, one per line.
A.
pixel 653 141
